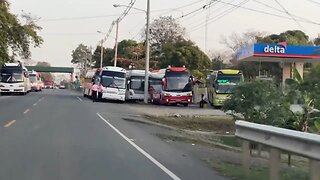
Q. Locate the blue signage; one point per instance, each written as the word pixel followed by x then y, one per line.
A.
pixel 281 50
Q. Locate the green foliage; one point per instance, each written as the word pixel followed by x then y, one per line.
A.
pixel 317 41
pixel 16 37
pixel 184 53
pixel 259 102
pixel 108 55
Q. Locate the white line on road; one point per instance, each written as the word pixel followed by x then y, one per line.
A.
pixel 79 99
pixel 40 99
pixel 10 123
pixel 34 104
pixel 157 163
pixel 26 111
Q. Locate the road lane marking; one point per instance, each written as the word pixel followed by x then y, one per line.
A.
pixel 9 123
pixel 34 104
pixel 153 160
pixel 26 111
pixel 79 99
pixel 40 99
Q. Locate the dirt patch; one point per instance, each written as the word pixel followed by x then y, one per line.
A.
pixel 218 124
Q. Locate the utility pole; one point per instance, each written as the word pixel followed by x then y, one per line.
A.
pixel 101 53
pixel 146 80
pixel 116 44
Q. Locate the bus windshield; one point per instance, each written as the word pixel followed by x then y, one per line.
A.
pixel 225 88
pixel 33 78
pixel 155 84
pixel 137 83
pixel 11 75
pixel 113 79
pixel 178 81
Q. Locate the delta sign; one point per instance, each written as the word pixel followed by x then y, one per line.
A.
pixel 280 50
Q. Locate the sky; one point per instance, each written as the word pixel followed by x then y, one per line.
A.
pixel 67 23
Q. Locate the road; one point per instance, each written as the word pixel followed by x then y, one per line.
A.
pixel 59 135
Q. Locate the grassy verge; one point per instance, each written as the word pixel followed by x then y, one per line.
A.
pixel 218 124
pixel 235 172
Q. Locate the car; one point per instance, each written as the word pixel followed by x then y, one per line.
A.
pixel 62 86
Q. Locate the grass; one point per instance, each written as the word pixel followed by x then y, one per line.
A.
pixel 235 172
pixel 218 124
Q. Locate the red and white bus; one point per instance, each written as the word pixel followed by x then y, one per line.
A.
pixel 176 86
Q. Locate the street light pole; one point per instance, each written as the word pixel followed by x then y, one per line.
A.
pixel 116 44
pixel 101 57
pixel 146 80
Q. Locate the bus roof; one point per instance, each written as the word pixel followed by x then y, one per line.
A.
pixel 156 75
pixel 136 72
pixel 177 69
pixel 229 71
pixel 112 68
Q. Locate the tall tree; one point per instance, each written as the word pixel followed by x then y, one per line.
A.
pixel 316 41
pixel 16 37
pixel 82 57
pixel 45 76
pixel 165 30
pixel 108 55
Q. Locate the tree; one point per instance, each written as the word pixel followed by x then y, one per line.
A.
pixel 82 57
pixel 317 41
pixel 16 37
pixel 45 76
pixel 108 55
pixel 184 53
pixel 165 30
pixel 260 102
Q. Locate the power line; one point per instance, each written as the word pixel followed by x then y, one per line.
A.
pixel 204 7
pixel 287 12
pixel 220 15
pixel 315 2
pixel 83 17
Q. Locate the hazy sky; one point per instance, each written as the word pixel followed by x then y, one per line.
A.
pixel 67 23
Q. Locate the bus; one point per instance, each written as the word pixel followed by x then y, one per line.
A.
pixel 113 82
pixel 155 87
pixel 88 82
pixel 220 85
pixel 135 85
pixel 14 79
pixel 176 86
pixel 35 80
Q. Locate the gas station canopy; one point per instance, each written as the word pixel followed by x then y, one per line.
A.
pixel 280 52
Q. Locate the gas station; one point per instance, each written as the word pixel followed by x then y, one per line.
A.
pixel 288 56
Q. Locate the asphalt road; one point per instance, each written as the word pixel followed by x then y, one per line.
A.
pixel 59 135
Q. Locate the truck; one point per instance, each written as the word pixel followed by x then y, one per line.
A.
pixel 35 80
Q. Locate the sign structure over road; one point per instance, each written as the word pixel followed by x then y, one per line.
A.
pixel 277 52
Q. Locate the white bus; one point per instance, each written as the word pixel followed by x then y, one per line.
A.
pixel 14 79
pixel 113 81
pixel 35 80
pixel 135 85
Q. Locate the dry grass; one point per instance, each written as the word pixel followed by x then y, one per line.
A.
pixel 217 124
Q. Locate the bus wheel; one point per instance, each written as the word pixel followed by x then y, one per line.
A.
pixel 185 104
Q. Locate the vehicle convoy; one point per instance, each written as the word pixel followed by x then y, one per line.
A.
pixel 112 81
pixel 14 79
pixel 176 86
pixel 35 80
pixel 220 85
pixel 135 85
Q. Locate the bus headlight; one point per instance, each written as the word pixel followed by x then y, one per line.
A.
pixel 21 85
pixel 2 85
pixel 166 94
pixel 189 94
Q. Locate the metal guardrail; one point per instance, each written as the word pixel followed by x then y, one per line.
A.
pixel 279 139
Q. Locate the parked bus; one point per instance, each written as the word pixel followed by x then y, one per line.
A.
pixel 135 85
pixel 155 87
pixel 88 82
pixel 176 86
pixel 113 82
pixel 35 80
pixel 14 79
pixel 220 85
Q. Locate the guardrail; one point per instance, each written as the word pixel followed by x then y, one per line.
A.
pixel 279 139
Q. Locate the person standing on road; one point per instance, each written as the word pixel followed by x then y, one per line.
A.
pixel 203 101
pixel 95 89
